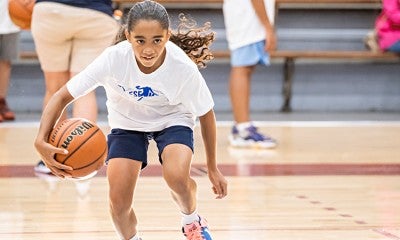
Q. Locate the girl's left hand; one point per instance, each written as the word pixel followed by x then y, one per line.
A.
pixel 220 185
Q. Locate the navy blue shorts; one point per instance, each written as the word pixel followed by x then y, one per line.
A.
pixel 134 145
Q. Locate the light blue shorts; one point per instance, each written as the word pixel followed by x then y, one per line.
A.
pixel 250 55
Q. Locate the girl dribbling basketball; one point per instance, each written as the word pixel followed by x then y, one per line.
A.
pixel 154 91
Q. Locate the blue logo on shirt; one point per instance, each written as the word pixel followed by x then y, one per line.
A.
pixel 139 92
pixel 144 92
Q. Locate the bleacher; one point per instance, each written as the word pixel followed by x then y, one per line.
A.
pixel 316 31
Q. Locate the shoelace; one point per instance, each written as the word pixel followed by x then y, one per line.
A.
pixel 194 234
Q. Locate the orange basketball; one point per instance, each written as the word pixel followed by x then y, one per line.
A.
pixel 20 12
pixel 86 145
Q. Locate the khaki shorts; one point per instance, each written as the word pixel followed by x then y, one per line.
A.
pixel 9 46
pixel 69 38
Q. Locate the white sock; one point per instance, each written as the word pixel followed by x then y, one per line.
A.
pixel 242 126
pixel 188 219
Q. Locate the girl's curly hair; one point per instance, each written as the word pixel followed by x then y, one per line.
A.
pixel 195 41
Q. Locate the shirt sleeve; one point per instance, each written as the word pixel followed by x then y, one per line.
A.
pixel 91 77
pixel 195 95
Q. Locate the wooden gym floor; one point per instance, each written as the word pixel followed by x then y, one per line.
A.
pixel 326 180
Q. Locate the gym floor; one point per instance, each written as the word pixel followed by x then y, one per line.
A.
pixel 327 179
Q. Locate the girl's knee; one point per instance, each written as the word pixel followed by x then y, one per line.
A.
pixel 181 184
pixel 119 205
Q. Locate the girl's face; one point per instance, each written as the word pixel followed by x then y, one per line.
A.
pixel 148 41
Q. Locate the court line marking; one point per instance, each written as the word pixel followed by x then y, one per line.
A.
pixel 321 204
pixel 387 234
pixel 30 124
pixel 243 170
pixel 215 229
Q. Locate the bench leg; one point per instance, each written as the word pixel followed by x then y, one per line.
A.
pixel 288 70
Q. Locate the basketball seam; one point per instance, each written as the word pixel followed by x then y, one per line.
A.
pixel 66 130
pixel 82 143
pixel 105 149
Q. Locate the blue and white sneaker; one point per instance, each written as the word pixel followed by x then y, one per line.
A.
pixel 250 138
pixel 197 230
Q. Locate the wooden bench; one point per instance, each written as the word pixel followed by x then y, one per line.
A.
pixel 289 56
pixel 281 3
pixel 184 4
pixel 359 4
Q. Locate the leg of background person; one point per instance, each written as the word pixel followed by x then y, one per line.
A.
pixel 5 72
pixel 54 81
pixel 86 106
pixel 239 89
pixel 244 134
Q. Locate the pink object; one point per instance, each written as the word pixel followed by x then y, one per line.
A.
pixel 388 24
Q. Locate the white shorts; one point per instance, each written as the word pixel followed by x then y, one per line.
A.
pixel 69 38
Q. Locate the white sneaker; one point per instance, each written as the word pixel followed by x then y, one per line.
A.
pixel 250 138
pixel 41 168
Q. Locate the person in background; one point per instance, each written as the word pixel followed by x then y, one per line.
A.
pixel 9 38
pixel 68 35
pixel 154 91
pixel 250 35
pixel 387 26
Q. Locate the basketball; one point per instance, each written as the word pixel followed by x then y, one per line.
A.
pixel 20 12
pixel 86 145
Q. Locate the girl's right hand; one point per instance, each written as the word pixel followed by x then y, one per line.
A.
pixel 47 153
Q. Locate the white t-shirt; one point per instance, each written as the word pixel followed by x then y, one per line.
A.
pixel 242 24
pixel 174 94
pixel 6 25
